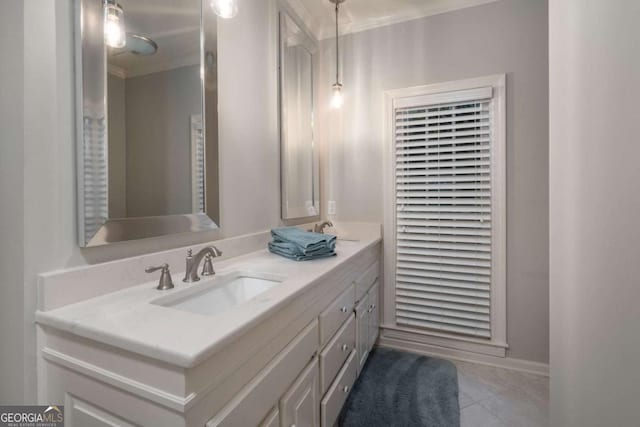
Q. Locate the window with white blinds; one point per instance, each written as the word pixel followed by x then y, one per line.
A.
pixel 444 205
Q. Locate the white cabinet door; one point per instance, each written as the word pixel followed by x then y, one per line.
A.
pixel 272 420
pixel 84 414
pixel 362 331
pixel 374 315
pixel 256 400
pixel 300 405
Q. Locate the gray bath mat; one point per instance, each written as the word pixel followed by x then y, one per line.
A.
pixel 398 389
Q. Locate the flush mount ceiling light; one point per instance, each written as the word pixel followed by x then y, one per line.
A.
pixel 337 100
pixel 141 45
pixel 114 34
pixel 138 45
pixel 225 8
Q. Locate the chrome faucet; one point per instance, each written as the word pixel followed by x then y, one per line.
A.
pixel 165 282
pixel 193 262
pixel 319 228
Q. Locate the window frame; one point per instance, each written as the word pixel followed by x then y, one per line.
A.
pixel 497 345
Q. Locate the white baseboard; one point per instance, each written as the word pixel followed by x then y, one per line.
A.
pixel 527 366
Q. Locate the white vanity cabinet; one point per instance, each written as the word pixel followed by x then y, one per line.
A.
pixel 248 408
pixel 299 406
pixel 272 420
pixel 362 331
pixel 367 315
pixel 374 314
pixel 294 367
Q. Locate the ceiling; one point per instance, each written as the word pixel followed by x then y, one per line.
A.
pixel 360 15
pixel 175 27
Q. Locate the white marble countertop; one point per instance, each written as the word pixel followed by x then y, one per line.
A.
pixel 126 319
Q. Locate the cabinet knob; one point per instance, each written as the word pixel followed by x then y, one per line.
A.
pixel 345 347
pixel 344 309
pixel 346 389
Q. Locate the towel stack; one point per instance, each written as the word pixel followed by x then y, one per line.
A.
pixel 300 245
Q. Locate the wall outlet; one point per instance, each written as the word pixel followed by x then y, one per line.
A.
pixel 331 208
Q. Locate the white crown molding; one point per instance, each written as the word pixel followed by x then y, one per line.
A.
pixel 430 8
pixel 172 64
pixel 304 15
pixel 154 67
pixel 117 71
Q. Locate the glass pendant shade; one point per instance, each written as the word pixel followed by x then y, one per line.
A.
pixel 114 32
pixel 337 100
pixel 225 8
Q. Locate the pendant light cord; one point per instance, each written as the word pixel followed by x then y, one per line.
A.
pixel 337 48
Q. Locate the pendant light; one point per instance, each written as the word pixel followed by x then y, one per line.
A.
pixel 114 33
pixel 225 8
pixel 336 99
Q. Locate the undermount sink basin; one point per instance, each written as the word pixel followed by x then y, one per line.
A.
pixel 221 293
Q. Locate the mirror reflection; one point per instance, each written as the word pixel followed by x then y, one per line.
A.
pixel 148 163
pixel 154 98
pixel 300 188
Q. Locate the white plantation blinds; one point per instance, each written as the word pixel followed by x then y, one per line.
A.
pixel 197 165
pixel 443 191
pixel 95 175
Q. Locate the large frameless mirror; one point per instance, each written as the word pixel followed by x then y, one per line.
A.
pixel 299 155
pixel 147 119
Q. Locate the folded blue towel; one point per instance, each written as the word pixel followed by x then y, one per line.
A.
pixel 300 245
pixel 297 256
pixel 295 249
pixel 306 241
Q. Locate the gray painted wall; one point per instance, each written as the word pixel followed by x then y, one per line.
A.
pixel 42 173
pixel 159 144
pixel 594 211
pixel 510 37
pixel 158 110
pixel 117 147
pixel 11 195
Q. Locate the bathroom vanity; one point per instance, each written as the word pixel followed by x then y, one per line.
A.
pixel 265 342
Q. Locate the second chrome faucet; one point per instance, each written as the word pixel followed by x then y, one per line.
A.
pixel 193 262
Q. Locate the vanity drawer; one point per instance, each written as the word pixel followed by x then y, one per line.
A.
pixel 256 400
pixel 336 352
pixel 334 316
pixel 333 401
pixel 364 282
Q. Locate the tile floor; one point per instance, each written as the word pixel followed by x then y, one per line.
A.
pixel 494 397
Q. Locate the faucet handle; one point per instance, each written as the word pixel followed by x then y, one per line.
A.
pixel 207 267
pixel 165 282
pixel 319 227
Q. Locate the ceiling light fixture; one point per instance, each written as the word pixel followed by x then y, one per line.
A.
pixel 225 8
pixel 114 33
pixel 337 99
